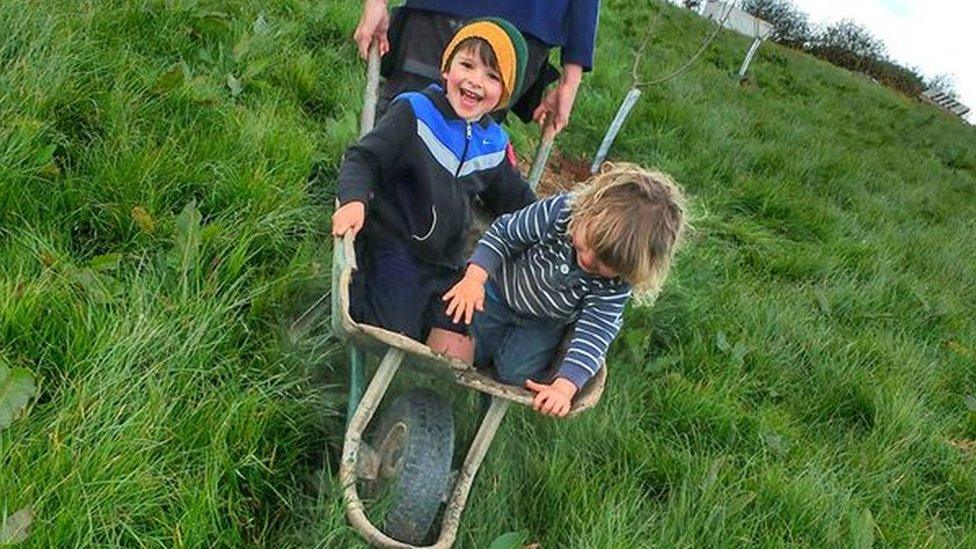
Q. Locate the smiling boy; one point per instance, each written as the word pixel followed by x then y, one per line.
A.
pixel 408 185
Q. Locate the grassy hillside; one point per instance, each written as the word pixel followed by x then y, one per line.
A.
pixel 802 380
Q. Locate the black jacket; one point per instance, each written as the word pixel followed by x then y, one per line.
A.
pixel 418 171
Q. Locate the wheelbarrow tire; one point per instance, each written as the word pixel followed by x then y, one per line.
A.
pixel 415 440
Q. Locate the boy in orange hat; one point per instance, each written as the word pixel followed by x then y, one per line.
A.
pixel 407 186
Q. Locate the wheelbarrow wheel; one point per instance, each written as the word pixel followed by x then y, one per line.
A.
pixel 415 441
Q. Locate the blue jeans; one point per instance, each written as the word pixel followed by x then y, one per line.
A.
pixel 519 347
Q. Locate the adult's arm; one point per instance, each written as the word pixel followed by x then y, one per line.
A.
pixel 373 24
pixel 581 39
pixel 577 58
pixel 556 106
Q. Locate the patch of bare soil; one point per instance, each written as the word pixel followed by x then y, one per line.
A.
pixel 562 173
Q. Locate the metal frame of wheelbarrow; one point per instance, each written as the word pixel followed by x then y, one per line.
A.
pixel 359 460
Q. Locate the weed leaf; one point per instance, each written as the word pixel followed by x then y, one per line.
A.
pixel 14 528
pixel 510 540
pixel 171 79
pixel 241 49
pixel 863 530
pixel 261 26
pixel 100 287
pixel 45 155
pixel 16 389
pixel 662 363
pixel 822 302
pixel 970 401
pixel 722 342
pixel 739 352
pixel 712 475
pixel 776 443
pixel 634 341
pixel 50 169
pixel 105 262
pixel 235 85
pixel 187 240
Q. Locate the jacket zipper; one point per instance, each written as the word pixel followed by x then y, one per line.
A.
pixel 464 153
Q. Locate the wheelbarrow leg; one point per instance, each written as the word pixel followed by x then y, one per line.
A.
pixel 354 437
pixel 357 371
pixel 476 454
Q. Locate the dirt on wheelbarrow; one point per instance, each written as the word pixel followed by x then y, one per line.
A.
pixel 562 173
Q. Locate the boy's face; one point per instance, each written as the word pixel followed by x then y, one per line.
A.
pixel 473 88
pixel 586 258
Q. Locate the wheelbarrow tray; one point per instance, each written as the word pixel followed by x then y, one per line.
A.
pixel 424 358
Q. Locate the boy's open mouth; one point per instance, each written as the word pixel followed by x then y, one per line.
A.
pixel 469 97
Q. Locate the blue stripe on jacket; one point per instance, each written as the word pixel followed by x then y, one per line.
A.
pixel 445 139
pixel 530 256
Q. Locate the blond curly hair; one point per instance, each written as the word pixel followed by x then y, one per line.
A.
pixel 633 219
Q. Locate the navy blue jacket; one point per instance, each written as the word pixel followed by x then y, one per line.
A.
pixel 418 171
pixel 569 24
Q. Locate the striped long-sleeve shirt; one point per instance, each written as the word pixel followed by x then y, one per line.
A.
pixel 529 254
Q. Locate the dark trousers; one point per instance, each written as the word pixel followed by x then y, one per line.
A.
pixel 395 290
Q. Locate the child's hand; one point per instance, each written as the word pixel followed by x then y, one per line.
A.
pixel 468 295
pixel 554 399
pixel 349 217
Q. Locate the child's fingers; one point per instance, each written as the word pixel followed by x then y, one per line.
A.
pixel 341 226
pixel 544 403
pixel 533 386
pixel 338 226
pixel 538 401
pixel 459 311
pixel 451 305
pixel 563 409
pixel 450 293
pixel 469 312
pixel 550 406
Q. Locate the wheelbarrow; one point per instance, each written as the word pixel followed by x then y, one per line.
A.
pixel 411 448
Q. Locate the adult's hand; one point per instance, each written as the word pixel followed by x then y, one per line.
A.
pixel 373 24
pixel 555 108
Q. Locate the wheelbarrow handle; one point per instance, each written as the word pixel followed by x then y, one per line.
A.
pixel 541 155
pixel 371 93
pixel 342 246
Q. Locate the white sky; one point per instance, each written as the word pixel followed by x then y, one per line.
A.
pixel 935 36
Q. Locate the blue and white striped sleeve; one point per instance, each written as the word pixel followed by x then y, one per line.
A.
pixel 599 323
pixel 514 232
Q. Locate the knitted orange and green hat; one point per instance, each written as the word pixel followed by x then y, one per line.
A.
pixel 509 47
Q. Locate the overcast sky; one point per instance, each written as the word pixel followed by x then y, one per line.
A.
pixel 935 36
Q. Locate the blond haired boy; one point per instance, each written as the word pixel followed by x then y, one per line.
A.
pixel 568 260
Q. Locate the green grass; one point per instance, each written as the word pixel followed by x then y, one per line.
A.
pixel 801 381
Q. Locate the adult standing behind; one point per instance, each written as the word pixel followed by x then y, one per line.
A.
pixel 411 44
